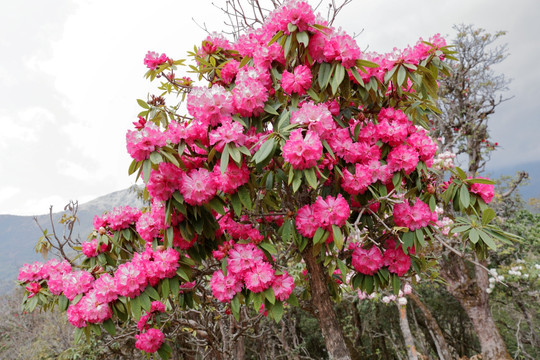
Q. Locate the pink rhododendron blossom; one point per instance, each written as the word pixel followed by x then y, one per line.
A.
pixel 396 260
pixel 298 13
pixel 343 48
pixel 306 224
pixel 249 98
pixel 150 341
pixel 331 211
pixel 367 262
pixel 229 71
pixel 243 257
pixel 198 186
pixel 232 178
pixel 130 280
pixel 141 143
pixel 302 152
pixel 164 181
pixel 485 191
pixel 359 182
pixel 299 81
pixel 224 287
pixel 90 248
pixel 404 158
pixel 413 217
pixel 33 288
pixel 31 272
pixel 152 60
pixel 105 289
pixel 230 132
pixel 317 117
pixel 210 105
pixel 75 283
pixel 283 285
pixel 260 277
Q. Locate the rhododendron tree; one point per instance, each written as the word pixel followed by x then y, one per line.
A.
pixel 296 148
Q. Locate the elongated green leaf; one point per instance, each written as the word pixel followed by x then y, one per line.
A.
pixel 339 75
pixel 264 151
pixel 143 104
pixel 109 326
pixel 235 307
pixel 338 236
pixel 487 216
pixel 268 247
pixel 464 197
pixel 319 235
pixel 224 159
pixel 311 177
pixel 473 236
pixel 325 71
pixel 401 75
pixel 488 240
pixel 245 198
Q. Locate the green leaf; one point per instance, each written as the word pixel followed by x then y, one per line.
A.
pixel 235 307
pixel 235 153
pixel 480 181
pixel 460 229
pixel 62 303
pixel 165 288
pixel 339 75
pixel 175 285
pixel 319 235
pixel 402 74
pixel 420 237
pixel 237 204
pixel 268 247
pixel 245 198
pixel 277 311
pixel 311 178
pixel 224 160
pixel 396 283
pixel 150 291
pixel 464 197
pixel 338 236
pixel 487 216
pixel 109 326
pixel 264 151
pixel 293 300
pixel 303 38
pixel 473 236
pixel 488 240
pixel 325 70
pixel 143 104
pixel 164 351
pixel 461 173
pixel 269 109
pixel 269 295
pixel 156 157
pixel 146 168
pixel 145 301
pixel 136 308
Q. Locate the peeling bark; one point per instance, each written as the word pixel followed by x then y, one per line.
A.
pixel 471 294
pixel 324 311
pixel 406 331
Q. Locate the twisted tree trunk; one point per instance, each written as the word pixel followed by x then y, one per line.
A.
pixel 471 294
pixel 324 310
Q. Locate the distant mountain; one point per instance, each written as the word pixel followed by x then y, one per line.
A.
pixel 19 234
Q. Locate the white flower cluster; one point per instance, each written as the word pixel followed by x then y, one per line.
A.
pixel 444 161
pixel 401 299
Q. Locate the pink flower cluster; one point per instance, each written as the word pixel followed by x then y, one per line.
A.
pixel 485 191
pixel 299 81
pixel 413 217
pixel 322 214
pixel 369 261
pixel 90 248
pixel 152 60
pixel 302 152
pixel 118 219
pixel 149 341
pixel 140 143
pixel 246 266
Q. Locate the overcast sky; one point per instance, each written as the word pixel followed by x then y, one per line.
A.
pixel 71 71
